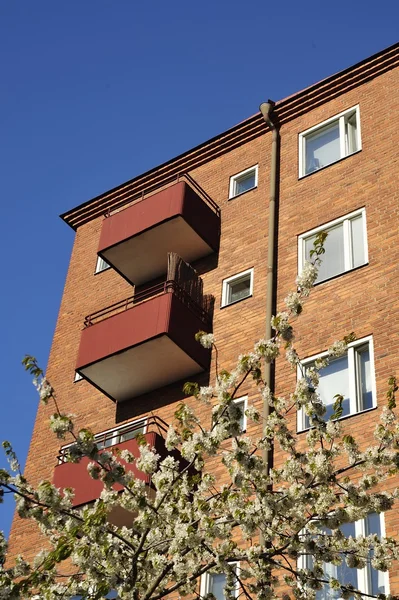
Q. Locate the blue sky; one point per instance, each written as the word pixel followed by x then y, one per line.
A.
pixel 94 92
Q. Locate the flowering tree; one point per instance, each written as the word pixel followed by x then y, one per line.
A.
pixel 282 525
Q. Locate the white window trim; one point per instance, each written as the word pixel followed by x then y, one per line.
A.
pixel 234 178
pixel 229 280
pixel 301 417
pixel 77 377
pixel 206 580
pixel 342 138
pixel 238 401
pixel 101 265
pixel 363 575
pixel 346 220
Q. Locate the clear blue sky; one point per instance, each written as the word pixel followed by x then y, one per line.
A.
pixel 94 92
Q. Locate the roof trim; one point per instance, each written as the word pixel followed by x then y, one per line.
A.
pixel 285 110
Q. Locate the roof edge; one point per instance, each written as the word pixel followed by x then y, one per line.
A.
pixel 286 109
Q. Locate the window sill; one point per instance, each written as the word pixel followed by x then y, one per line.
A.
pixel 340 274
pixel 361 412
pixel 236 301
pixel 243 193
pixel 329 165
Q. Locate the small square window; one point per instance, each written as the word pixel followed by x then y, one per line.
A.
pixel 214 583
pixel 78 377
pixel 351 375
pixel 101 265
pixel 345 246
pixel 329 141
pixel 243 182
pixel 237 287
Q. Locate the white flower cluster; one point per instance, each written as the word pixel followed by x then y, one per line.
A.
pixel 305 281
pixel 44 389
pixel 61 424
pixel 293 303
pixel 206 339
pixel 337 349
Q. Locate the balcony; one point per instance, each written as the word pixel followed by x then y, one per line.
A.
pixel 181 218
pixel 148 340
pixel 75 475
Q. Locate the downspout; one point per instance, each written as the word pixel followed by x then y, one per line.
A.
pixel 266 108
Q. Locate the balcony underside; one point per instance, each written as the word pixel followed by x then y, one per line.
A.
pixel 136 240
pixel 143 348
pixel 140 369
pixel 144 257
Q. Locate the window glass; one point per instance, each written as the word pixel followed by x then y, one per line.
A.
pixel 368 580
pixel 217 581
pixel 328 142
pixel 351 376
pixel 365 393
pixel 130 435
pixel 241 406
pixel 357 237
pixel 333 259
pixel 345 246
pixel 244 183
pixel 322 147
pixel 239 289
pixel 334 379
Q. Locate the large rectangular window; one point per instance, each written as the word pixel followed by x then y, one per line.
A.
pixel 345 245
pixel 367 580
pixel 351 375
pixel 329 141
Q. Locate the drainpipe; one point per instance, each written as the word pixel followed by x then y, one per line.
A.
pixel 266 108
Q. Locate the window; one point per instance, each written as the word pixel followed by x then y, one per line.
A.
pixel 78 377
pixel 214 583
pixel 367 580
pixel 242 405
pixel 330 141
pixel 351 375
pixel 101 265
pixel 243 182
pixel 237 287
pixel 122 434
pixel 345 246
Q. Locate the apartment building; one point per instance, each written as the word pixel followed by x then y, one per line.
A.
pixel 184 247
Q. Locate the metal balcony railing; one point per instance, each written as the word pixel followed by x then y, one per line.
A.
pixel 166 287
pixel 123 433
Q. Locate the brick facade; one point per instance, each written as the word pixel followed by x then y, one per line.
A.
pixel 364 300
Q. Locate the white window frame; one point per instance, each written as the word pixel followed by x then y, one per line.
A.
pixel 363 574
pixel 342 118
pixel 353 383
pixel 234 278
pixel 346 223
pixel 205 584
pixel 101 265
pixel 77 377
pixel 244 400
pixel 234 178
